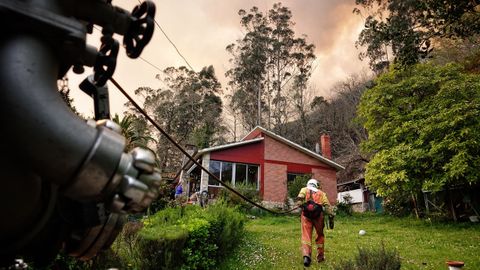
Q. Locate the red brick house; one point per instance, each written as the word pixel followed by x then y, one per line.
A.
pixel 267 161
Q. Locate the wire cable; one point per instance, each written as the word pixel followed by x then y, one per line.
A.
pixel 171 42
pixel 152 65
pixel 156 125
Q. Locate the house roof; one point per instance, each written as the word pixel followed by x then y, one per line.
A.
pixel 198 154
pixel 259 129
pixel 225 146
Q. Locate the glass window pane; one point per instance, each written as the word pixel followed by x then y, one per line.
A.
pixel 240 174
pixel 215 170
pixel 292 176
pixel 252 175
pixel 227 172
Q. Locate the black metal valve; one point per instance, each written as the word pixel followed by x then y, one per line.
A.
pixel 141 29
pixel 106 60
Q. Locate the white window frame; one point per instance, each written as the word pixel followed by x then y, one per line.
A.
pixel 220 174
pixel 234 171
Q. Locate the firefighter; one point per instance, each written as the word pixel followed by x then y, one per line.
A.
pixel 315 205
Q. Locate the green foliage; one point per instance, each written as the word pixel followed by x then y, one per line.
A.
pixel 423 126
pixel 246 189
pixel 66 262
pixel 398 204
pixel 134 129
pixel 297 184
pixel 271 67
pixel 408 27
pixel 345 207
pixel 189 238
pixel 373 259
pixel 188 107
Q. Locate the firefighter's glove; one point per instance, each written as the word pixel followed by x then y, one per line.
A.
pixel 331 222
pixel 299 202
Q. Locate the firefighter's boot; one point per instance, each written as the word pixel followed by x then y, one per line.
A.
pixel 306 261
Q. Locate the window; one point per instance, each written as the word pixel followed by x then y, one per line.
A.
pixel 252 175
pixel 291 176
pixel 235 173
pixel 240 173
pixel 227 170
pixel 215 170
pixel 246 174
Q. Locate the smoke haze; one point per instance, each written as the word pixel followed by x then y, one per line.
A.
pixel 202 29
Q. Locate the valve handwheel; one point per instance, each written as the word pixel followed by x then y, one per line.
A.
pixel 141 29
pixel 106 60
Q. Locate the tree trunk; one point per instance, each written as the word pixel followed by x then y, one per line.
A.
pixel 452 208
pixel 414 200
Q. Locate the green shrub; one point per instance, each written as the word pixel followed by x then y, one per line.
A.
pixel 373 259
pixel 126 245
pixel 161 248
pixel 345 207
pixel 398 205
pixel 66 262
pixel 248 190
pixel 200 247
pixel 189 237
pixel 227 226
pixel 297 184
pixel 174 238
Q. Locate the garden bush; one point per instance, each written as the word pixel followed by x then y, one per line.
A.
pixel 174 238
pixel 297 184
pixel 189 237
pixel 398 205
pixel 373 259
pixel 248 190
pixel 344 207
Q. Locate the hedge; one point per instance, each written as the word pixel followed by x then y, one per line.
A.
pixel 189 237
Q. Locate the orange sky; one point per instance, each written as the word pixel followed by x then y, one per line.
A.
pixel 201 29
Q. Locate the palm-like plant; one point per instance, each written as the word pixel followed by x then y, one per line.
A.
pixel 135 131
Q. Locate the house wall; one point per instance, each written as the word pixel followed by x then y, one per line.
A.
pixel 203 174
pixel 276 159
pixel 277 151
pixel 356 196
pixel 250 153
pixel 328 181
pixel 289 159
pixel 275 183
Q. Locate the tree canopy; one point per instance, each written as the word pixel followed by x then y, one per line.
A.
pixel 188 108
pixel 407 28
pixel 424 129
pixel 270 68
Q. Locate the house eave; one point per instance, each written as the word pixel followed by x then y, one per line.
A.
pixel 298 147
pixel 230 145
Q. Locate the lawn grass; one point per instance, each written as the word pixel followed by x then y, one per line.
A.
pixel 274 242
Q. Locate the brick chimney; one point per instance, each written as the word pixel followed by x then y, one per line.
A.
pixel 325 144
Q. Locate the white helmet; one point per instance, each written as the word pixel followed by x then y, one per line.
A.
pixel 312 183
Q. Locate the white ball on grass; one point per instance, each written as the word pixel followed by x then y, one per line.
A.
pixel 362 232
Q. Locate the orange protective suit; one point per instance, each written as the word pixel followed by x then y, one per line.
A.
pixel 318 223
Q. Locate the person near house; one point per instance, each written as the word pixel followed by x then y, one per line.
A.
pixel 194 198
pixel 178 190
pixel 315 206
